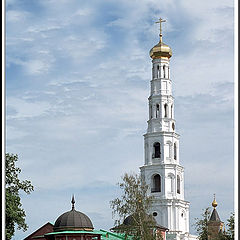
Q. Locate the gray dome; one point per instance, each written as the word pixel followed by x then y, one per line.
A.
pixel 73 220
pixel 130 219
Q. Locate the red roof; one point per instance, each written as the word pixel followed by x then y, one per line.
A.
pixel 46 228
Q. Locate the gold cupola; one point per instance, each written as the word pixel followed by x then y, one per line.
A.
pixel 161 50
pixel 214 203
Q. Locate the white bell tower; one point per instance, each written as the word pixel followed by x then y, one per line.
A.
pixel 162 170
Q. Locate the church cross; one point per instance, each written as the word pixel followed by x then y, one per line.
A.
pixel 160 23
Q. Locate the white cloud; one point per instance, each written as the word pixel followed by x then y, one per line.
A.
pixel 36 67
pixel 16 16
pixel 83 12
pixel 26 109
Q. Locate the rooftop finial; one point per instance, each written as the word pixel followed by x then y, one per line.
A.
pixel 214 203
pixel 160 23
pixel 73 201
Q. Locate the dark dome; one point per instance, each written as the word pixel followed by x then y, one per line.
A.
pixel 130 219
pixel 73 220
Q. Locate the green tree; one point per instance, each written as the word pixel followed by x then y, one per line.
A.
pixel 134 203
pixel 201 225
pixel 15 214
pixel 230 227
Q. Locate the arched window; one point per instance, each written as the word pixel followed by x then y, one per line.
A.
pixel 158 71
pixel 175 151
pixel 157 110
pixel 178 184
pixel 165 110
pixel 164 71
pixel 171 111
pixel 156 186
pixel 157 151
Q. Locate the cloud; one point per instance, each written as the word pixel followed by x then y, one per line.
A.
pixel 24 109
pixel 16 16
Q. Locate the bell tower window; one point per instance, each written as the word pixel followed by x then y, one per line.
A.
pixel 165 110
pixel 175 151
pixel 156 183
pixel 158 71
pixel 157 152
pixel 157 110
pixel 178 184
pixel 164 71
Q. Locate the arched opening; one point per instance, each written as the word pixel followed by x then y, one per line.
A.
pixel 164 71
pixel 165 110
pixel 157 151
pixel 158 71
pixel 157 110
pixel 178 184
pixel 156 187
pixel 171 111
pixel 175 151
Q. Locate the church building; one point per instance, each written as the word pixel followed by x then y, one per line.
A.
pixel 215 225
pixel 162 170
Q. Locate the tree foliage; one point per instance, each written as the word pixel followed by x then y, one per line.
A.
pixel 230 227
pixel 15 214
pixel 201 224
pixel 135 203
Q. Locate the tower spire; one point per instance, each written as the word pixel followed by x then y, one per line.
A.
pixel 73 202
pixel 160 23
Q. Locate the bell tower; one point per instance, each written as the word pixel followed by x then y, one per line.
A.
pixel 162 170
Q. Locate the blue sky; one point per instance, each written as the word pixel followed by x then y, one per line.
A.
pixel 77 81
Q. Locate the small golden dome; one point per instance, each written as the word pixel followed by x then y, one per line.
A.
pixel 214 203
pixel 161 50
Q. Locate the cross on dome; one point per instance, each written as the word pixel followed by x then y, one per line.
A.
pixel 160 26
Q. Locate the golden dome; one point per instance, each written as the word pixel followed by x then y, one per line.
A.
pixel 161 50
pixel 214 203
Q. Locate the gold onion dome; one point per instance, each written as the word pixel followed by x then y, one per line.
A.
pixel 214 203
pixel 161 50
